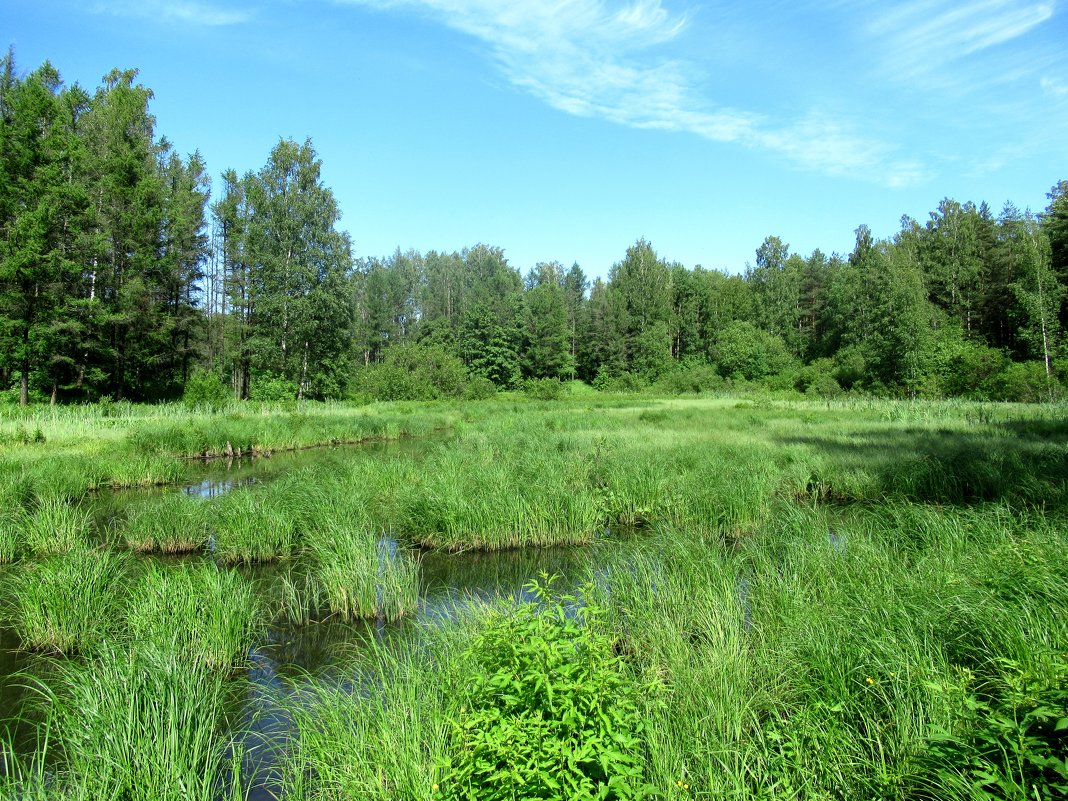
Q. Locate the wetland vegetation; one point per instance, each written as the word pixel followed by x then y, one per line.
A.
pixel 756 598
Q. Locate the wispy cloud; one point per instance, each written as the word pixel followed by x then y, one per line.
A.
pixel 921 37
pixel 184 11
pixel 614 61
pixel 1054 87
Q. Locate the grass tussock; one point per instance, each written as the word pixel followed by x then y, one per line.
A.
pixel 69 603
pixel 202 613
pixel 174 524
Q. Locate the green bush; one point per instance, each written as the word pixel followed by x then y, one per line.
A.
pixel 545 388
pixel 1022 382
pixel 205 388
pixel 479 388
pixel 621 382
pixel 415 372
pixel 743 348
pixel 271 388
pixel 550 712
pixel 1008 739
pixel 690 375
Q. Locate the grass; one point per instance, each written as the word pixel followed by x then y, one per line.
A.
pixel 849 599
pixel 142 725
pixel 174 524
pixel 68 603
pixel 204 614
pixel 52 525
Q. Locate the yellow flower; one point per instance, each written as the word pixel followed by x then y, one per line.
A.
pixel 434 787
pixel 892 675
pixel 870 680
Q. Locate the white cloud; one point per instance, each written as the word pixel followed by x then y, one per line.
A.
pixel 1055 87
pixel 613 61
pixel 921 37
pixel 185 11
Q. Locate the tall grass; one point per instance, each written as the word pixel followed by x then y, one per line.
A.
pixel 142 725
pixel 176 523
pixel 253 524
pixel 202 613
pixel 69 603
pixel 52 525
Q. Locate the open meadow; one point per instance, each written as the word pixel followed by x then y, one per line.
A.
pixel 596 597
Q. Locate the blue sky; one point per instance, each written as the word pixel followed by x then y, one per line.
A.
pixel 566 129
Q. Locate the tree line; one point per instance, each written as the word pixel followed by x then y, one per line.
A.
pixel 118 278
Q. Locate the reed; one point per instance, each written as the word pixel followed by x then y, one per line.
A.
pixel 142 725
pixel 52 525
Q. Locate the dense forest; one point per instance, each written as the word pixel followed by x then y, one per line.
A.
pixel 120 278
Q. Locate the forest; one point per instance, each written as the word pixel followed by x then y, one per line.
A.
pixel 124 276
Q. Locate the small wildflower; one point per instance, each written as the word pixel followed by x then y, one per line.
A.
pixel 892 675
pixel 870 680
pixel 685 787
pixel 434 787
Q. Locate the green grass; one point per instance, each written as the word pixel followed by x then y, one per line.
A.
pixel 176 523
pixel 68 603
pixel 138 725
pixel 848 599
pixel 204 614
pixel 254 524
pixel 52 525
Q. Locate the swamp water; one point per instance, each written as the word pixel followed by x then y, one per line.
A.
pixel 289 656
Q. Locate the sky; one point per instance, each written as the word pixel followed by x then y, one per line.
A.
pixel 565 130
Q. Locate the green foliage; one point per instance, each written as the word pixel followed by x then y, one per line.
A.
pixel 550 711
pixel 206 388
pixel 619 382
pixel 415 372
pixel 53 525
pixel 547 389
pixel 176 523
pixel 272 388
pixel 745 350
pixel 1022 382
pixel 690 375
pixel 1008 737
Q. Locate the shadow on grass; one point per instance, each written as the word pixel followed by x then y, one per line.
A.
pixel 1019 462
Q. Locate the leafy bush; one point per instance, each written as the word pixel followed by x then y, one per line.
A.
pixel 690 375
pixel 745 349
pixel 549 713
pixel 206 388
pixel 415 372
pixel 271 388
pixel 545 388
pixel 1022 382
pixel 1008 740
pixel 479 388
pixel 621 382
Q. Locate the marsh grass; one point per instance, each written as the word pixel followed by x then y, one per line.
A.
pixel 69 603
pixel 175 523
pixel 142 725
pixel 204 614
pixel 53 525
pixel 253 524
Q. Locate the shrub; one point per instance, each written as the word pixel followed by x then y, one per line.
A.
pixel 479 388
pixel 415 372
pixel 690 375
pixel 1022 382
pixel 550 712
pixel 271 388
pixel 1008 739
pixel 545 388
pixel 205 388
